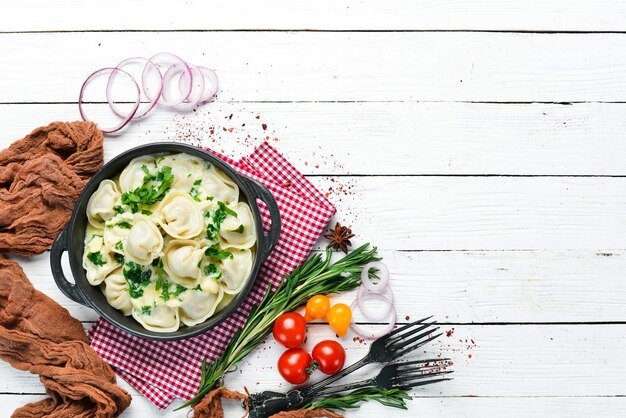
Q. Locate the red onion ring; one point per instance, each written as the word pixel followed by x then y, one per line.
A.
pixel 196 93
pixel 383 276
pixel 386 292
pixel 372 335
pixel 209 94
pixel 152 101
pixel 368 312
pixel 125 119
pixel 182 65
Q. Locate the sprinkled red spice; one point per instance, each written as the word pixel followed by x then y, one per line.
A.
pixel 264 126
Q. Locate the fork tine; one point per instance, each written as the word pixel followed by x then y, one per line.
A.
pixel 404 341
pixel 412 362
pixel 420 376
pixel 418 345
pixel 409 332
pixel 397 330
pixel 421 370
pixel 410 385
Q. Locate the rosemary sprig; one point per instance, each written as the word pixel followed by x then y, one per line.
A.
pixel 395 398
pixel 316 276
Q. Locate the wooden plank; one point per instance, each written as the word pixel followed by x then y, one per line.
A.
pixel 572 407
pixel 364 138
pixel 491 286
pixel 313 66
pixel 323 14
pixel 510 360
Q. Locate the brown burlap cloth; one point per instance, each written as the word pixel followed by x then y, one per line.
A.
pixel 41 177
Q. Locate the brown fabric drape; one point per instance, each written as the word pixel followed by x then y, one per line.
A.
pixel 41 177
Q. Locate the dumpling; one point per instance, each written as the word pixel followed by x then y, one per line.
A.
pixel 186 169
pixel 101 205
pixel 180 216
pixel 97 261
pixel 144 242
pixel 181 261
pixel 215 183
pixel 115 290
pixel 159 318
pixel 133 175
pixel 116 232
pixel 197 306
pixel 238 232
pixel 235 270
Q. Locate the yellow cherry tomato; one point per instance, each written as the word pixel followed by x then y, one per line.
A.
pixel 317 307
pixel 339 317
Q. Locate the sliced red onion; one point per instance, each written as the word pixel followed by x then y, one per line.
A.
pixel 126 118
pixel 152 100
pixel 386 292
pixel 197 89
pixel 374 314
pixel 383 276
pixel 371 334
pixel 180 65
pixel 166 95
pixel 210 88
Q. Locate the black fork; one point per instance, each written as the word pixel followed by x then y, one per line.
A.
pixel 402 375
pixel 386 349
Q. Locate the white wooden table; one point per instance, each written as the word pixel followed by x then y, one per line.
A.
pixel 480 144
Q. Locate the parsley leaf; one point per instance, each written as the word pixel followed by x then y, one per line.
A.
pixel 137 278
pixel 211 270
pixel 96 258
pixel 119 246
pixel 162 284
pixel 239 229
pixel 195 193
pixel 219 215
pixel 179 289
pixel 226 209
pixel 119 258
pixel 148 195
pixel 146 309
pixel 197 182
pixel 121 224
pixel 119 209
pixel 215 251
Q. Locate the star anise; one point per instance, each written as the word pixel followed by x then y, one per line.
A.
pixel 339 238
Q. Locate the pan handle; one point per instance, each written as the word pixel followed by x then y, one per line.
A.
pixel 268 240
pixel 68 289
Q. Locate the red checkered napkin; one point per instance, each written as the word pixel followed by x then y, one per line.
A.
pixel 163 371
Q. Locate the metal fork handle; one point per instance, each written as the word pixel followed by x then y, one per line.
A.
pixel 311 391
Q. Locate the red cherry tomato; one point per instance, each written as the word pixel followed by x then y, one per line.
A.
pixel 293 365
pixel 290 329
pixel 330 356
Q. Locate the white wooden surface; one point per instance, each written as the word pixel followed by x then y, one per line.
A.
pixel 479 144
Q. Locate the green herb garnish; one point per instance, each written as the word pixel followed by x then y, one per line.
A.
pixel 119 209
pixel 119 258
pixel 395 398
pixel 119 246
pixel 179 289
pixel 211 270
pixel 96 258
pixel 162 284
pixel 197 182
pixel 136 277
pixel 219 215
pixel 121 224
pixel 316 276
pixel 226 209
pixel 215 251
pixel 195 193
pixel 146 309
pixel 239 229
pixel 148 195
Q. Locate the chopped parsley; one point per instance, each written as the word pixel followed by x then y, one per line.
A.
pixel 211 270
pixel 197 182
pixel 95 235
pixel 121 224
pixel 146 309
pixel 137 278
pixel 179 289
pixel 119 209
pixel 119 246
pixel 148 195
pixel 146 212
pixel 164 286
pixel 195 193
pixel 239 229
pixel 216 252
pixel 197 288
pixel 119 258
pixel 219 215
pixel 226 209
pixel 96 258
